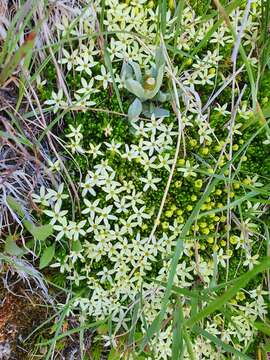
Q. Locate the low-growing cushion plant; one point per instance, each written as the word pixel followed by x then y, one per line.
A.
pixel 163 126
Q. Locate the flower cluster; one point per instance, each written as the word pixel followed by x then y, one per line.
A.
pixel 106 248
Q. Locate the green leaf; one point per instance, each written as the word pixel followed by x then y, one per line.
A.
pixel 135 317
pixel 114 355
pixel 12 248
pixel 135 109
pixel 229 294
pixel 103 329
pixel 76 246
pixel 96 351
pixel 15 206
pixel 177 343
pixel 135 88
pixel 264 328
pixel 42 232
pixel 21 53
pixel 108 64
pixel 47 256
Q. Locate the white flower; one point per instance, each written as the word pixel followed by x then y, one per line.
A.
pixel 105 275
pixel 75 147
pixel 103 168
pixel 204 77
pixel 87 87
pixel 204 132
pixel 139 215
pixel 152 145
pixel 91 207
pixel 56 214
pixel 147 162
pixel 94 150
pixel 75 132
pixel 165 161
pixel 150 181
pixel 42 198
pixel 244 112
pixel 105 215
pixel 221 257
pixel 95 225
pixel 141 129
pixel 57 195
pixel 112 192
pixel 76 229
pixel 76 277
pixel 155 124
pixel 129 154
pixel 188 170
pixel 54 166
pixel 69 59
pixel 219 37
pixel 258 293
pixel 128 186
pixel 113 147
pixel 57 101
pixel 88 186
pixel 235 128
pixel 121 206
pixel 85 63
pixel 104 77
pixel 251 260
pixel 63 264
pixel 127 225
pixel 62 229
pixel 135 198
pixel 222 109
pixel 82 102
pixel 167 135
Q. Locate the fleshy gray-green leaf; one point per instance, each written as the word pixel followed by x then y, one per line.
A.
pixel 135 88
pixel 137 71
pixel 135 109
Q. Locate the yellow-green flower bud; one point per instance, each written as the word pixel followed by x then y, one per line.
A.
pixel 198 183
pixel 149 83
pixel 210 240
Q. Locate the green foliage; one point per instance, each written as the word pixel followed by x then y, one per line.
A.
pixel 146 88
pixel 12 248
pixel 47 256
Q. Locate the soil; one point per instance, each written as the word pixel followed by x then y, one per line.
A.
pixel 20 314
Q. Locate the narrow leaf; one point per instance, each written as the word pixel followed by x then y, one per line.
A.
pixel 229 294
pixel 47 256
